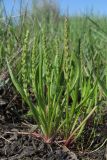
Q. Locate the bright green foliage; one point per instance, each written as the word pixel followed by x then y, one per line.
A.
pixel 65 85
pixel 59 66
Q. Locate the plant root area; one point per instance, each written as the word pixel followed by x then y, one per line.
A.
pixel 14 146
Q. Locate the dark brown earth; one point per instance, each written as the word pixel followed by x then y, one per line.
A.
pixel 14 146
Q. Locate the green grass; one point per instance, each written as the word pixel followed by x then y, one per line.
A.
pixel 63 65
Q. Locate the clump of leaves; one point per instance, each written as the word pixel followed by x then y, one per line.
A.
pixel 64 97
